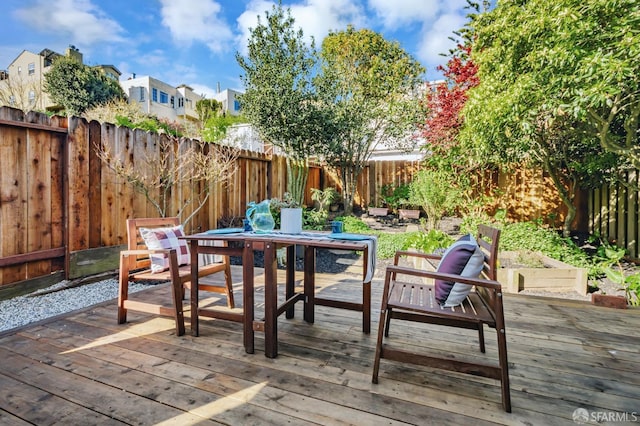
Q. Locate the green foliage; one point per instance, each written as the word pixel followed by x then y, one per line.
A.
pixel 208 108
pixel 215 127
pixel 369 83
pixel 531 236
pixel 325 197
pixel 615 272
pixel 436 192
pixel 395 197
pixel 280 99
pixel 78 87
pixel 314 219
pixel 354 225
pixel 428 242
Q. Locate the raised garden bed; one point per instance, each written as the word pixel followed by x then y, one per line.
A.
pixel 547 275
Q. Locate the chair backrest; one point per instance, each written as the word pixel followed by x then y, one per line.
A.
pixel 488 239
pixel 135 241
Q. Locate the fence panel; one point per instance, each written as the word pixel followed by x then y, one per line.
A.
pixel 31 195
pixel 42 162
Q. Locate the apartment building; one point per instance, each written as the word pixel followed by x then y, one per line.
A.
pixel 158 98
pixel 22 83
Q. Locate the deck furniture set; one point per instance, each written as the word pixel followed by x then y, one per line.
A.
pixel 467 271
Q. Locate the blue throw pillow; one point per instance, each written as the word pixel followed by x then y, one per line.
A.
pixel 464 258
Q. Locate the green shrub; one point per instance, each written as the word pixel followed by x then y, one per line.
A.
pixel 427 242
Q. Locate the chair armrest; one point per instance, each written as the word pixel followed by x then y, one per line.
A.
pixel 480 282
pixel 407 253
pixel 143 251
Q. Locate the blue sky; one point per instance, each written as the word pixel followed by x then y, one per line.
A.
pixel 194 41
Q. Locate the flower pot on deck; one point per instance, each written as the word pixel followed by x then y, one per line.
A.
pixel 609 301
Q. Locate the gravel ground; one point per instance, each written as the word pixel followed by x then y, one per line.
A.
pixel 56 300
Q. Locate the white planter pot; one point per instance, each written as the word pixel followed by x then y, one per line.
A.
pixel 291 221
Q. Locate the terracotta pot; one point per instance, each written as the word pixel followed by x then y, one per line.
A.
pixel 409 214
pixel 609 301
pixel 378 211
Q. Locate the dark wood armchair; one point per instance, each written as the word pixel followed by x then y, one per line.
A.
pixel 416 302
pixel 135 265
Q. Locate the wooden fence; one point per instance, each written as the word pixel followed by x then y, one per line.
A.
pixel 63 211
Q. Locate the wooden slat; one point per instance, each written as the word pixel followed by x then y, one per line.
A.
pixel 563 355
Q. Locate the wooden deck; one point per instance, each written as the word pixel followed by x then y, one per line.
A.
pixel 83 368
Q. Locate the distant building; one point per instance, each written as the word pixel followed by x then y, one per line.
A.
pixel 229 100
pixel 158 98
pixel 22 83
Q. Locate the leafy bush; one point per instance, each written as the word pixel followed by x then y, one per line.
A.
pixel 436 192
pixel 428 242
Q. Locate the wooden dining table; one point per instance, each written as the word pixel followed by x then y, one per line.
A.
pixel 244 244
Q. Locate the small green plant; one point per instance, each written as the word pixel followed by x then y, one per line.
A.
pixel 314 219
pixel 436 192
pixel 428 242
pixel 629 283
pixel 395 197
pixel 325 197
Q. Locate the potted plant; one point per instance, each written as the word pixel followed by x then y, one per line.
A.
pixel 326 199
pixel 288 213
pixel 398 201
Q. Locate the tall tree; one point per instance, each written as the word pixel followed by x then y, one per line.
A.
pixel 372 87
pixel 78 87
pixel 444 105
pixel 536 64
pixel 280 98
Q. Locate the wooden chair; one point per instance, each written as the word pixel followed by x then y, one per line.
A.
pixel 135 266
pixel 416 302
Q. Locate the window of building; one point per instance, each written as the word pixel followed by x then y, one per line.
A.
pixel 32 68
pixel 164 98
pixel 180 102
pixel 173 102
pixel 236 105
pixel 32 97
pixel 19 70
pixel 154 94
pixel 141 94
pixel 12 100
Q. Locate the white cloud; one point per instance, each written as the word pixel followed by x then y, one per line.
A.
pixel 203 90
pixel 315 17
pixel 197 20
pixel 396 13
pixel 436 39
pixel 81 20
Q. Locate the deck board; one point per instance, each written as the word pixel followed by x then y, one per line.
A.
pixel 563 355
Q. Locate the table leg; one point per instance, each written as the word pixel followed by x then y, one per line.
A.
pixel 248 297
pixel 309 283
pixel 291 279
pixel 366 295
pixel 195 325
pixel 270 301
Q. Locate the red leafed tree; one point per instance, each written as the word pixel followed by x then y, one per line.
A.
pixel 445 101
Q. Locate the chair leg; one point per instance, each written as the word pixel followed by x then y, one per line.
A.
pixel 481 337
pixel 123 291
pixel 177 290
pixel 229 284
pixel 381 331
pixel 387 323
pixel 504 371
